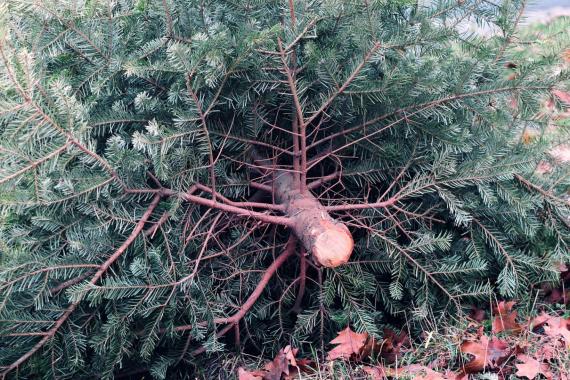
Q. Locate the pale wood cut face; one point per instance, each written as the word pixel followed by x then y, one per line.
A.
pixel 333 247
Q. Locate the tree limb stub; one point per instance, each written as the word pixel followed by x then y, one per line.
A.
pixel 328 240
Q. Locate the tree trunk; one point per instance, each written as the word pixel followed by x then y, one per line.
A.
pixel 329 241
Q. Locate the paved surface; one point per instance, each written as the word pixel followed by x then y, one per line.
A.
pixel 537 4
pixel 545 10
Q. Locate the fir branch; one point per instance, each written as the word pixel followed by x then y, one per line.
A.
pixel 100 272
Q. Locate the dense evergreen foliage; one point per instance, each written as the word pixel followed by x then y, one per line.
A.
pixel 137 145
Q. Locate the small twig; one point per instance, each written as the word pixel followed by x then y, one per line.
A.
pixel 248 304
pixel 302 281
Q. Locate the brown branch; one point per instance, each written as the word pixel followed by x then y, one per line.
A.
pixel 168 17
pixel 68 283
pixel 347 83
pixel 261 186
pixel 202 116
pixel 229 208
pixel 298 38
pixel 327 239
pixel 71 308
pixel 152 230
pixel 298 126
pixel 322 180
pixel 47 269
pixel 361 206
pixel 34 164
pixel 543 192
pixel 418 108
pixel 248 304
pixel 253 142
pixel 509 38
pixel 266 206
pixel 292 13
pixel 302 281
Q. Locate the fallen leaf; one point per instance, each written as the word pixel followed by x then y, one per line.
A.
pixel 539 320
pixel 305 364
pixel 349 344
pixel 558 327
pixel 276 368
pixel 244 374
pixel 290 354
pixel 284 359
pixel 528 137
pixel 547 349
pixel 566 55
pixel 531 368
pixel 562 95
pixel 487 354
pixel 544 167
pixel 505 318
pixel 554 324
pixel 477 314
pixel 376 373
pixel 393 344
pixel 558 295
pixel 561 153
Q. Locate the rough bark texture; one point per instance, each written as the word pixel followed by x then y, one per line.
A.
pixel 328 240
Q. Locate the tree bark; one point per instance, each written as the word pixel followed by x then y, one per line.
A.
pixel 328 240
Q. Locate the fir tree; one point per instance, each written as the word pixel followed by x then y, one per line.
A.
pixel 183 179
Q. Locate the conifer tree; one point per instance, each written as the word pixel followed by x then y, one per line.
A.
pixel 180 180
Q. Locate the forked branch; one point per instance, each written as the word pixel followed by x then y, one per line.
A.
pixel 96 277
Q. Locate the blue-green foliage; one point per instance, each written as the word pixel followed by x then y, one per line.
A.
pixel 106 96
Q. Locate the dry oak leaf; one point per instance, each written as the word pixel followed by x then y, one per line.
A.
pixel 388 348
pixel 539 320
pixel 505 318
pixel 244 374
pixel 392 344
pixel 276 369
pixel 477 314
pixel 527 137
pixel 487 354
pixel 566 55
pixel 553 326
pixel 531 368
pixel 558 295
pixel 558 327
pixel 349 344
pixel 303 365
pixel 280 364
pixel 547 350
pixel 562 95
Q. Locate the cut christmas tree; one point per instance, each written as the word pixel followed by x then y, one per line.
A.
pixel 181 180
